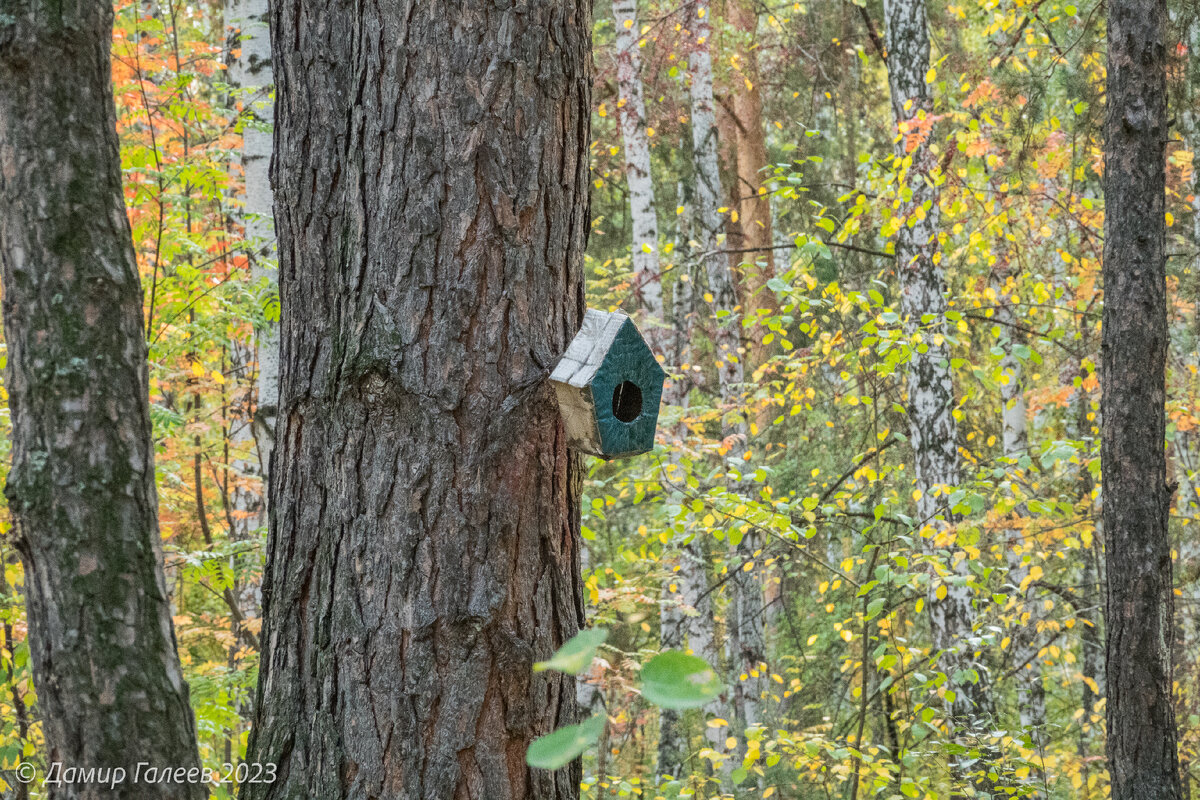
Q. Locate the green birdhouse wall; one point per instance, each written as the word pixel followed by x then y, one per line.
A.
pixel 609 386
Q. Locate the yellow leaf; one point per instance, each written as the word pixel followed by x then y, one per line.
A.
pixel 941 592
pixel 198 369
pixel 717 722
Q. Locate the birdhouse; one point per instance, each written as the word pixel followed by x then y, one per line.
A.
pixel 609 385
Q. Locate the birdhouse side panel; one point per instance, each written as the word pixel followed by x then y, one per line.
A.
pixel 579 417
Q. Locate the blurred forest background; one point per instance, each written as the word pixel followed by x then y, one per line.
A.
pixel 777 528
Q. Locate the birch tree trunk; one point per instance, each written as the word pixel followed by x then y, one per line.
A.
pixel 248 24
pixel 432 209
pixel 1142 755
pixel 932 428
pixel 110 689
pixel 250 75
pixel 721 284
pixel 631 112
pixel 722 300
pixel 1031 696
pixel 673 621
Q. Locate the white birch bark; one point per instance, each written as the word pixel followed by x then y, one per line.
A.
pixel 250 76
pixel 708 200
pixel 723 291
pixel 682 587
pixel 250 72
pixel 631 112
pixel 932 428
pixel 1031 696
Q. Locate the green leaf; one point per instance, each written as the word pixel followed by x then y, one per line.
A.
pixel 576 655
pixel 679 681
pixel 556 750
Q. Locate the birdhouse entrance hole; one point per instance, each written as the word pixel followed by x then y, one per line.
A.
pixel 627 402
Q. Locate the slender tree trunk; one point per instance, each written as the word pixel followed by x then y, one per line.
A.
pixel 752 233
pixel 673 622
pixel 932 428
pixel 631 111
pixel 250 74
pixel 1091 644
pixel 721 284
pixel 110 689
pixel 432 210
pixel 745 145
pixel 722 300
pixel 1031 695
pixel 1142 756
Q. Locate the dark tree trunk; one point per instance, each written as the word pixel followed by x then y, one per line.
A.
pixel 1136 498
pixel 81 491
pixel 431 179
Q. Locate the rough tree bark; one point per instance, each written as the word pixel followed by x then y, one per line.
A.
pixel 932 429
pixel 110 689
pixel 1142 757
pixel 431 182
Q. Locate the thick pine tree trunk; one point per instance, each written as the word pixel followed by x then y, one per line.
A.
pixel 110 689
pixel 1142 756
pixel 932 429
pixel 431 182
